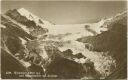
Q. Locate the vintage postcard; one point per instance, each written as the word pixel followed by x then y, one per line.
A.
pixel 78 39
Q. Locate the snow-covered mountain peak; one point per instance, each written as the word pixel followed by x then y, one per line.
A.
pixel 27 14
pixel 33 17
pixel 23 10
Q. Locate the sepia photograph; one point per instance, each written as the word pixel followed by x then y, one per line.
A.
pixel 54 39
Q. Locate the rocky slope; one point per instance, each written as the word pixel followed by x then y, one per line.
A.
pixel 17 30
pixel 113 41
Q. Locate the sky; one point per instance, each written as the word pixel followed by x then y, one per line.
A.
pixel 68 12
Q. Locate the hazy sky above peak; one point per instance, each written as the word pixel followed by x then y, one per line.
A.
pixel 68 12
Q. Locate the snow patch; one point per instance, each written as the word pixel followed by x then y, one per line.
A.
pixel 2 26
pixel 97 26
pixel 26 64
pixel 25 29
pixel 23 41
pixel 43 53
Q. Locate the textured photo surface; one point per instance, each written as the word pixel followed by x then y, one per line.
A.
pixel 63 40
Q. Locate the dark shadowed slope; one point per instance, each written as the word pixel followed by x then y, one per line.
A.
pixel 115 42
pixel 10 65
